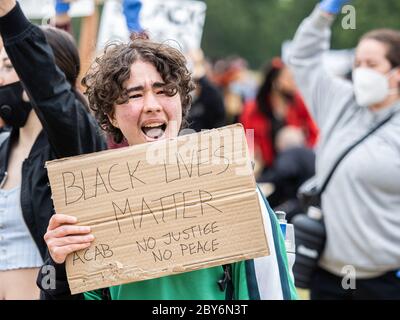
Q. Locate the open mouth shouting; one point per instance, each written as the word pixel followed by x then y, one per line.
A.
pixel 154 130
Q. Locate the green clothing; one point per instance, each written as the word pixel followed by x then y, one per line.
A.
pixel 203 284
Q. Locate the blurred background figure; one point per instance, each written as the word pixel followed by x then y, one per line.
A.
pixel 237 83
pixel 62 20
pixel 207 110
pixel 277 105
pixel 293 165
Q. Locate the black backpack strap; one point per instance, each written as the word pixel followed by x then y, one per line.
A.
pixel 347 151
pixel 105 294
pixel 226 283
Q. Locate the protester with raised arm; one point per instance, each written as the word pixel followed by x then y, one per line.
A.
pixel 361 203
pixel 49 120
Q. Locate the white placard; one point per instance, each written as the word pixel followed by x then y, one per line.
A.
pixel 179 22
pixel 112 24
pixel 44 9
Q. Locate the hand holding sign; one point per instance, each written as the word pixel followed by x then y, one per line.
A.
pixel 63 237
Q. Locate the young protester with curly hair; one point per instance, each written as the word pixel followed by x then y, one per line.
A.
pixel 140 91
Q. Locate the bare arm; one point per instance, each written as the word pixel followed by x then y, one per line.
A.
pixel 6 6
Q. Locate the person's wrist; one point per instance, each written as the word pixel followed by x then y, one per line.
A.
pixel 6 6
pixel 326 14
pixel 62 19
pixel 321 19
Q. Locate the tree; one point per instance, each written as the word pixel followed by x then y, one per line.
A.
pixel 256 29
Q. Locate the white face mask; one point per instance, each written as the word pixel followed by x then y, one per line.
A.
pixel 371 87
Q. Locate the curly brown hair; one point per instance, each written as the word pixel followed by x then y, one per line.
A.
pixel 104 82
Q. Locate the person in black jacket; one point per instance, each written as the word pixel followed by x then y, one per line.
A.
pixel 208 109
pixel 294 164
pixel 49 120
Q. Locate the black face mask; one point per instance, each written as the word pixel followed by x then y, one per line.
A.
pixel 13 109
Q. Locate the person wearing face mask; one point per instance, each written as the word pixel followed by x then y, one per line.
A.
pixel 361 203
pixel 277 105
pixel 49 119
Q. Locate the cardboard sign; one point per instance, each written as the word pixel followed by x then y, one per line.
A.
pixel 45 9
pixel 161 208
pixel 179 22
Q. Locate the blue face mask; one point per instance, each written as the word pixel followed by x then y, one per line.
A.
pixel 13 110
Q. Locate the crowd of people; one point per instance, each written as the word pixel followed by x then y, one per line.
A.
pixel 302 117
